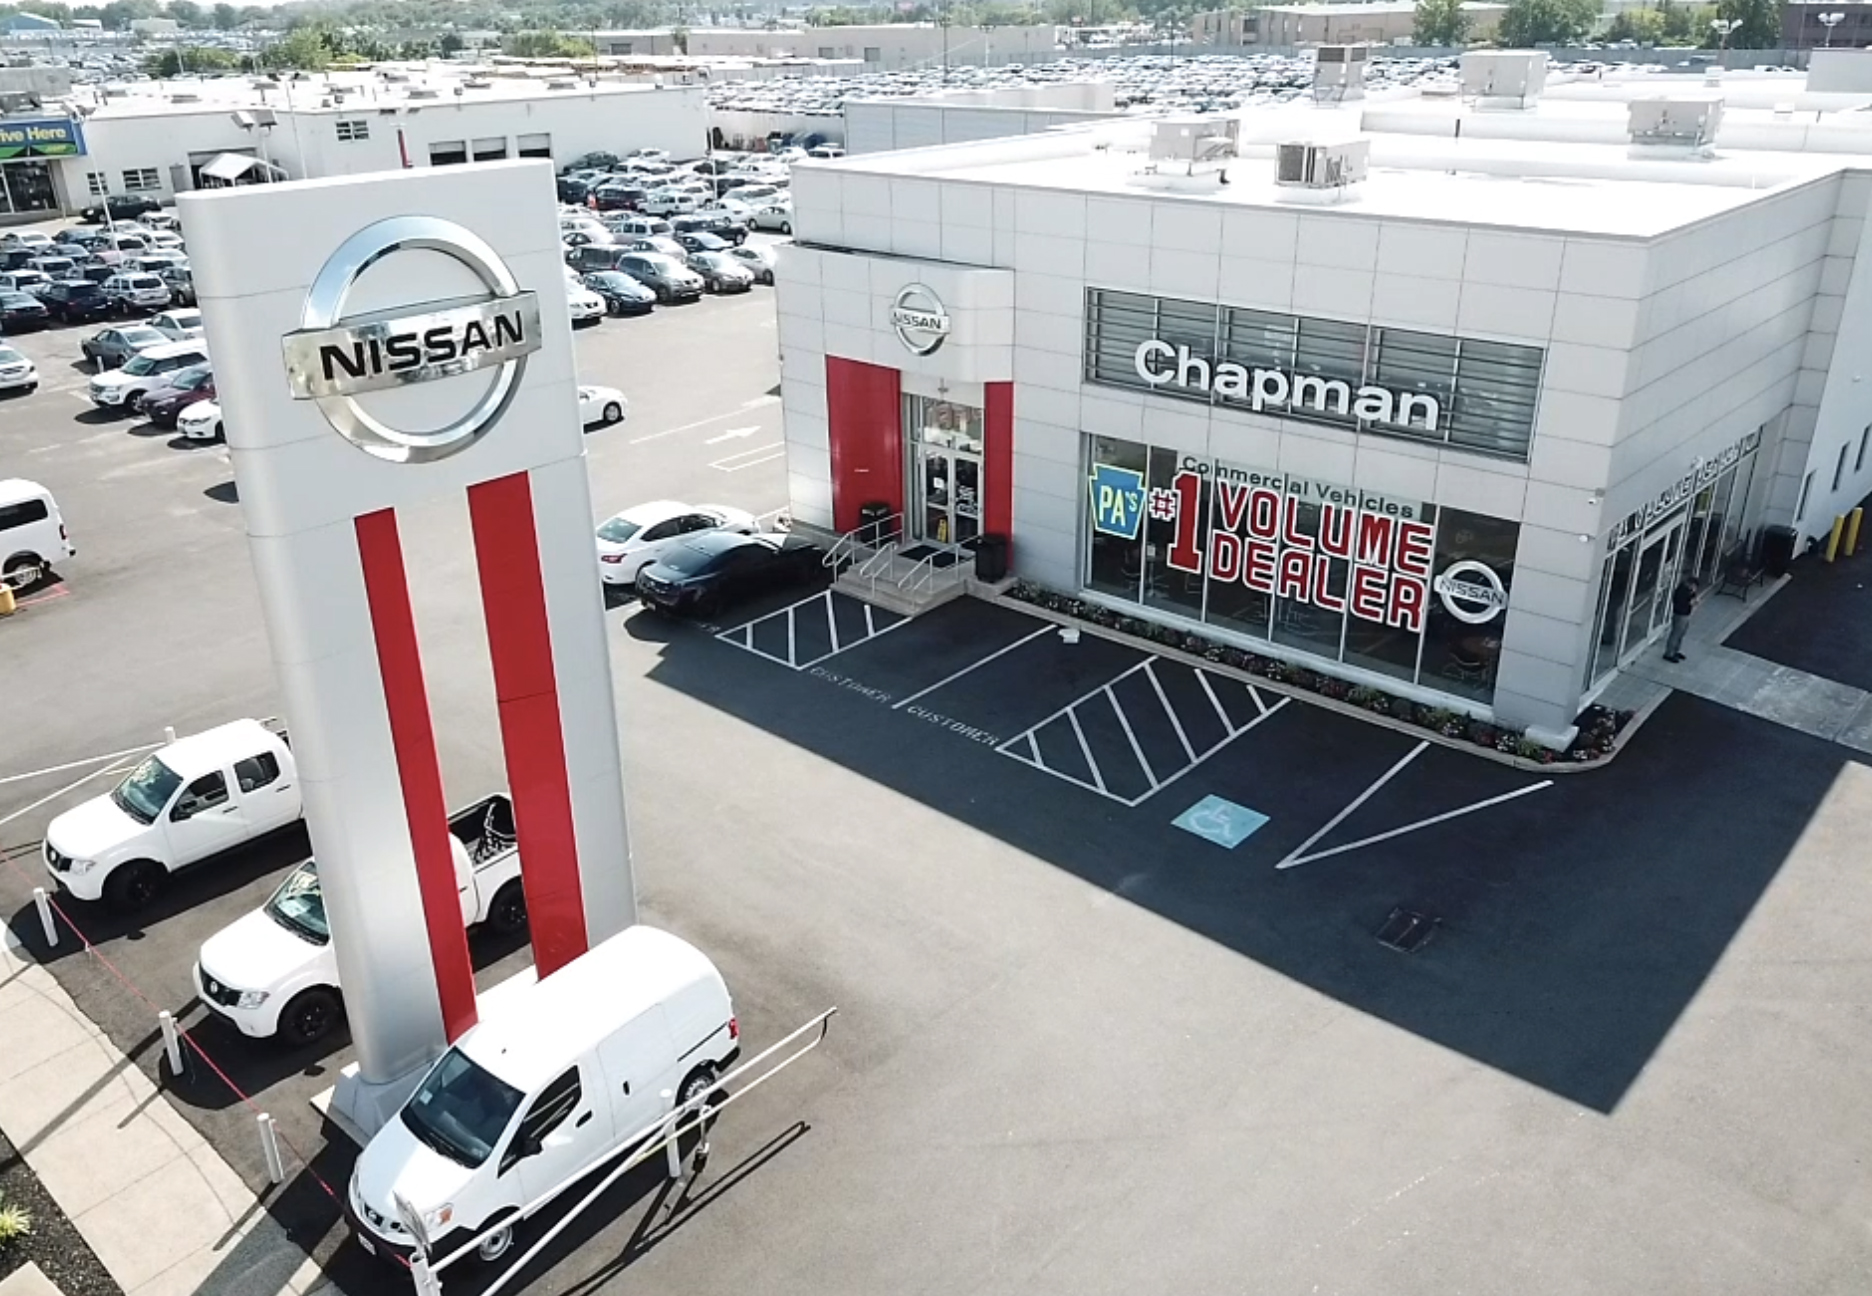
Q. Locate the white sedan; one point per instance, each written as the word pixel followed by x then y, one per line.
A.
pixel 179 325
pixel 774 216
pixel 200 421
pixel 640 535
pixel 587 307
pixel 602 406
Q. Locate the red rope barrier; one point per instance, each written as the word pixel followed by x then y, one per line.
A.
pixel 12 859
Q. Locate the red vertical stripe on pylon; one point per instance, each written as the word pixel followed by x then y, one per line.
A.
pixel 412 735
pixel 513 599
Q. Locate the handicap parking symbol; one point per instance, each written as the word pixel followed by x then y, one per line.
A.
pixel 1223 822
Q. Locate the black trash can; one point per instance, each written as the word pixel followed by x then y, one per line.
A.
pixel 991 558
pixel 873 519
pixel 1777 549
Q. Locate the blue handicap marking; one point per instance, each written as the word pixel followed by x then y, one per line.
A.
pixel 1117 500
pixel 1222 822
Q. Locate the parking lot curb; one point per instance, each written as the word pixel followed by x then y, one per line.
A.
pixel 1330 704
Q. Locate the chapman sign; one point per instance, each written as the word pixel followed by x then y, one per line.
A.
pixel 1161 364
pixel 1258 539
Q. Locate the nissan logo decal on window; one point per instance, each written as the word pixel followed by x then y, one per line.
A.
pixel 919 319
pixel 333 359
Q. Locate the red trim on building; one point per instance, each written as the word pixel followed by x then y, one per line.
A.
pixel 998 459
pixel 526 690
pixel 864 423
pixel 419 770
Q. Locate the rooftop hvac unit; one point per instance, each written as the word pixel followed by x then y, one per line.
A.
pixel 1504 78
pixel 185 96
pixel 1676 123
pixel 561 83
pixel 424 92
pixel 1196 142
pixel 477 83
pixel 1339 73
pixel 1329 167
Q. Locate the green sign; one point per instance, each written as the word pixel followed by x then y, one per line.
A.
pixel 42 137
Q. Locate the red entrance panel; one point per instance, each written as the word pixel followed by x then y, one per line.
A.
pixel 864 421
pixel 998 459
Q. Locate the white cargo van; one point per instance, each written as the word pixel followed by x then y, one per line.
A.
pixel 32 534
pixel 556 1077
pixel 274 972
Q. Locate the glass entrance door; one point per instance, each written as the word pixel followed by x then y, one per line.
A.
pixel 945 470
pixel 948 495
pixel 1648 608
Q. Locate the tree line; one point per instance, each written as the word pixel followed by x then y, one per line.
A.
pixel 1525 23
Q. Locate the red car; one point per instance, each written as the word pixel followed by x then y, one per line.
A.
pixel 181 389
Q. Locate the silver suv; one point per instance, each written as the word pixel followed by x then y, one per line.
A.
pixel 139 291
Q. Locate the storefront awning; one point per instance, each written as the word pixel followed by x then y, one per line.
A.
pixel 230 167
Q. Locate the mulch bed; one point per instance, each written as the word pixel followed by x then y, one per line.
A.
pixel 54 1244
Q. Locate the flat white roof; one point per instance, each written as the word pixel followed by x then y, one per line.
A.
pixel 1565 165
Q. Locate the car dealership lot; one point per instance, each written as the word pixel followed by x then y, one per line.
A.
pixel 1081 1047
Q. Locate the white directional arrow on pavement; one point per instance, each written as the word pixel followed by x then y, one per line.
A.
pixel 732 433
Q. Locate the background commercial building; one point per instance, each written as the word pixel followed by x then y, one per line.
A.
pixel 159 142
pixel 884 46
pixel 1454 430
pixel 1377 23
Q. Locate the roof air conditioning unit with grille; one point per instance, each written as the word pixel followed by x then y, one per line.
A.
pixel 1339 73
pixel 1320 172
pixel 1683 124
pixel 1503 78
pixel 1195 141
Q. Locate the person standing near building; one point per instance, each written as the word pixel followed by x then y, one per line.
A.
pixel 1683 603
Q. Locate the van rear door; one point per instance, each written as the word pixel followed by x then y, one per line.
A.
pixel 639 1062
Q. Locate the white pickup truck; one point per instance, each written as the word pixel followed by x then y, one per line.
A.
pixel 187 802
pixel 274 971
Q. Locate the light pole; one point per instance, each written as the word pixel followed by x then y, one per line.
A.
pixel 1722 27
pixel 1829 21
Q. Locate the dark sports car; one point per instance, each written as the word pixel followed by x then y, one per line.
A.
pixel 705 573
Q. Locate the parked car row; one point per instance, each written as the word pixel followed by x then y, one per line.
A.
pixel 80 275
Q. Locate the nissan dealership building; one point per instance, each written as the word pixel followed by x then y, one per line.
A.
pixel 1436 395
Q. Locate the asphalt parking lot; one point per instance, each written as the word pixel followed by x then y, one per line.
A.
pixel 1082 1046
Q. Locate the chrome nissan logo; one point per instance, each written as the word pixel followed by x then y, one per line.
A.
pixel 333 358
pixel 1471 592
pixel 920 322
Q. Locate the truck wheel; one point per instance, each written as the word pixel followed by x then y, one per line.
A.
pixel 134 885
pixel 507 914
pixel 310 1016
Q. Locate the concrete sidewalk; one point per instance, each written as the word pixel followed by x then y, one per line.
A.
pixel 158 1205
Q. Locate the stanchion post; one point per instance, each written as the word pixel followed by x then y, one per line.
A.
pixel 426 1282
pixel 700 1160
pixel 1853 519
pixel 44 905
pixel 1833 538
pixel 172 1043
pixel 169 733
pixel 269 1146
pixel 672 1150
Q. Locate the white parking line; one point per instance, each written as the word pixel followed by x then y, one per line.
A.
pixel 750 458
pixel 1447 815
pixel 739 410
pixel 1294 856
pixel 952 678
pixel 78 764
pixel 70 787
pixel 742 636
pixel 1025 746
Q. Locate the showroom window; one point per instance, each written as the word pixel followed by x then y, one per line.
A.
pixel 142 180
pixel 1466 393
pixel 1397 587
pixel 352 129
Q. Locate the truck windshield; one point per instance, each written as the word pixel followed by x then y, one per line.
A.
pixel 299 905
pixel 147 790
pixel 461 1110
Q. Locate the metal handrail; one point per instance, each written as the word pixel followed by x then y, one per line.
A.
pixel 867 536
pixel 671 1127
pixel 952 573
pixel 880 562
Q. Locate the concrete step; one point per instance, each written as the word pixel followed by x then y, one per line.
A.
pixel 887 596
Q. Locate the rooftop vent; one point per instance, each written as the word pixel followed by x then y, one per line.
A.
pixel 1324 171
pixel 1676 123
pixel 424 92
pixel 1196 142
pixel 562 83
pixel 1503 78
pixel 477 83
pixel 185 96
pixel 1339 73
